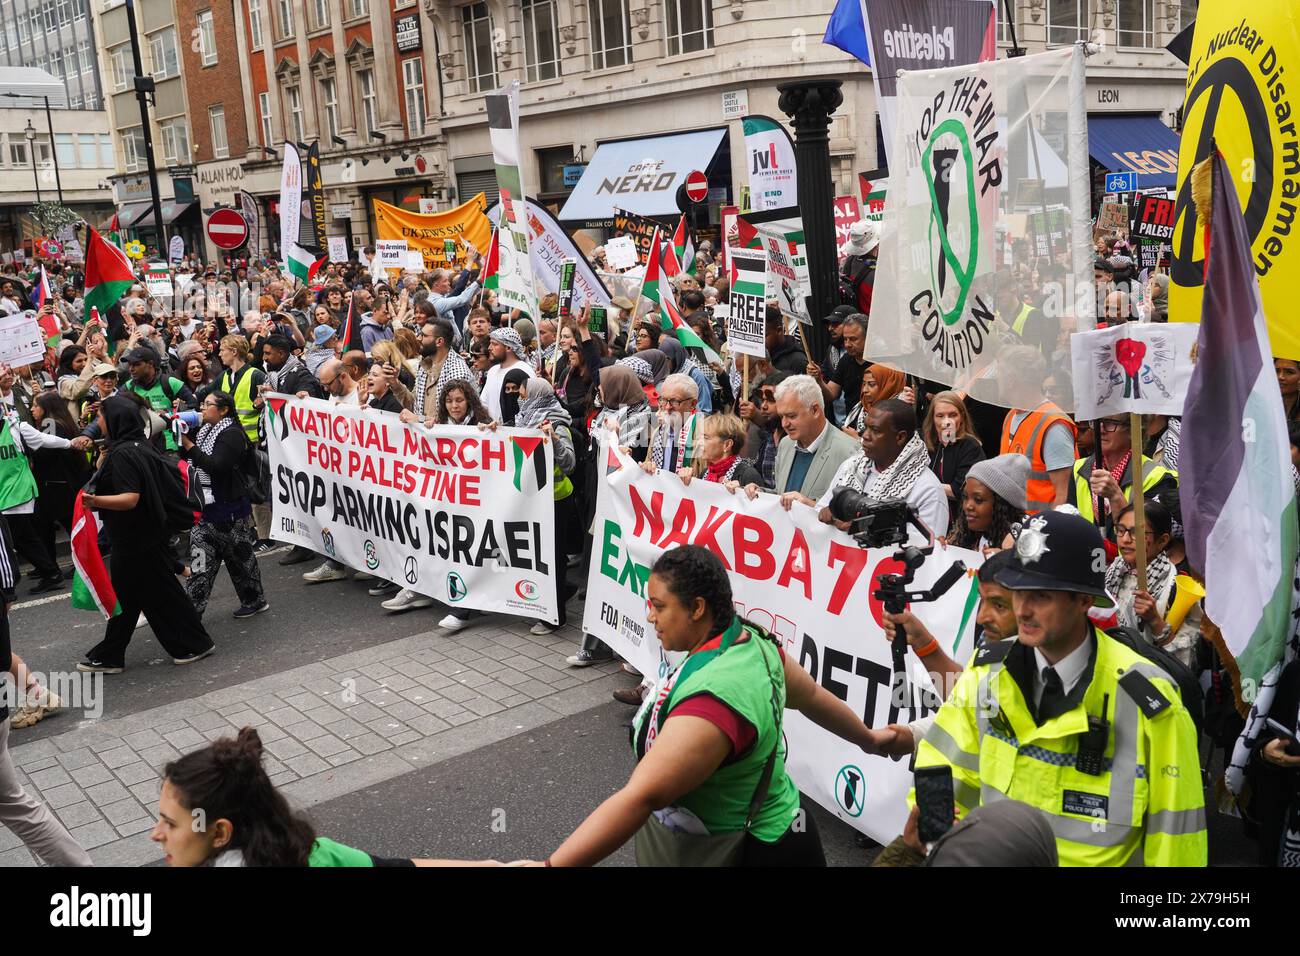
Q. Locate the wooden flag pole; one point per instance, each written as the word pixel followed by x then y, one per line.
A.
pixel 1139 511
pixel 744 377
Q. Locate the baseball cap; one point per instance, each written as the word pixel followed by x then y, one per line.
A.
pixel 322 334
pixel 103 368
pixel 839 314
pixel 141 354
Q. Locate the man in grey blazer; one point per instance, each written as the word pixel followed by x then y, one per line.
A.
pixel 812 450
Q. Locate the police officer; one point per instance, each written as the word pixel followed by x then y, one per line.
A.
pixel 1069 720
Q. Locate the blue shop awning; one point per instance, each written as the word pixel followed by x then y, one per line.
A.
pixel 1135 144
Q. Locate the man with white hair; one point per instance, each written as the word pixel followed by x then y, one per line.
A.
pixel 812 450
pixel 676 440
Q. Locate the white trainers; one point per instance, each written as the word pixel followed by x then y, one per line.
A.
pixel 541 628
pixel 452 623
pixel 406 600
pixel 326 572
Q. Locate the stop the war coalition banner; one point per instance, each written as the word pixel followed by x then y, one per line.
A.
pixel 808 584
pixel 458 514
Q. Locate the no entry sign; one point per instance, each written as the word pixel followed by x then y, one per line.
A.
pixel 697 186
pixel 227 229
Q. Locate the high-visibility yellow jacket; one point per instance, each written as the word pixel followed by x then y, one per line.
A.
pixel 1146 806
pixel 1155 478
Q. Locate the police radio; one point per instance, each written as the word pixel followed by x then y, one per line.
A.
pixel 1092 743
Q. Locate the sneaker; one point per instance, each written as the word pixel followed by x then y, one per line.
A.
pixel 541 628
pixel 629 670
pixel 263 546
pixel 383 589
pixel 190 659
pixel 326 572
pixel 363 576
pixel 452 623
pixel 407 600
pixel 89 666
pixel 585 658
pixel 627 695
pixel 296 555
pixel 248 610
pixel 47 584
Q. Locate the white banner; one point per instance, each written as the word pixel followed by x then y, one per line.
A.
pixel 389 254
pixel 770 158
pixel 787 268
pixel 21 340
pixel 808 584
pixel 516 287
pixel 1133 367
pixel 548 246
pixel 290 199
pixel 457 514
pixel 620 253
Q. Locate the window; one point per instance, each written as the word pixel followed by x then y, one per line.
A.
pixel 18 153
pixel 84 57
pixel 120 68
pixel 255 23
pixel 175 141
pixel 330 102
pixel 688 25
pixel 56 65
pixel 24 34
pixel 480 59
pixel 1067 21
pixel 133 149
pixel 369 101
pixel 162 52
pixel 217 123
pixel 413 81
pixel 358 8
pixel 1186 13
pixel 550 165
pixel 321 9
pixel 264 109
pixel 286 17
pixel 1137 23
pixel 1004 33
pixel 105 151
pixel 294 98
pixel 541 51
pixel 207 38
pixel 65 12
pixel 87 151
pixel 609 37
pixel 65 149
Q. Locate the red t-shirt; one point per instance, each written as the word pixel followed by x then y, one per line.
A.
pixel 738 729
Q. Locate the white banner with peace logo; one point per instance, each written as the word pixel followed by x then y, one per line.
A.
pixel 811 587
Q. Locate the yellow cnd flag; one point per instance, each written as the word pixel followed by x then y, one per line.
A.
pixel 1244 67
pixel 426 234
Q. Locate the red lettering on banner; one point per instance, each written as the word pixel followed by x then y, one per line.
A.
pixel 469 490
pixel 652 513
pixel 367 470
pixel 706 537
pixel 411 443
pixel 683 523
pixel 493 452
pixel 760 547
pixel 354 462
pixel 446 449
pixel 889 565
pixel 854 560
pixel 797 567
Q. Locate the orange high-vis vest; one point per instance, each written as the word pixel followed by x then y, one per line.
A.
pixel 1028 441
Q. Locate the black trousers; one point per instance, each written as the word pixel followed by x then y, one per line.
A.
pixel 54 508
pixel 145 582
pixel 27 542
pixel 566 519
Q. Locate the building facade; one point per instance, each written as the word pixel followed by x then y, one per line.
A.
pixel 56 36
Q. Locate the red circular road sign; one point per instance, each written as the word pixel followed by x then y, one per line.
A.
pixel 227 229
pixel 697 186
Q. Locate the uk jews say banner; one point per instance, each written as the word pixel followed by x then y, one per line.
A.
pixel 808 584
pixel 457 514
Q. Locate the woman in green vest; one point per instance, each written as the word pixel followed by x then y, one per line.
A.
pixel 710 786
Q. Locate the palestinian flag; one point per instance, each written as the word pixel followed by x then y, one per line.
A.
pixel 1239 504
pixel 302 263
pixel 350 334
pixel 659 291
pixel 528 447
pixel 92 588
pixel 684 247
pixel 51 328
pixel 108 273
pixel 490 277
pixel 115 232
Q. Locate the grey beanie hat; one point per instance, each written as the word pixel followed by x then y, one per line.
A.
pixel 1005 833
pixel 1006 476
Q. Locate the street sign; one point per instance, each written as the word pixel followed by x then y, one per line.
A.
pixel 227 229
pixel 1121 182
pixel 697 186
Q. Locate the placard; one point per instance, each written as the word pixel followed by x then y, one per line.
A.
pixel 620 253
pixel 338 246
pixel 21 340
pixel 415 261
pixel 390 254
pixel 747 314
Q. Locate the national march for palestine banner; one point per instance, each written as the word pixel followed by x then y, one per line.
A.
pixel 515 286
pixel 806 583
pixel 428 234
pixel 457 514
pixel 965 137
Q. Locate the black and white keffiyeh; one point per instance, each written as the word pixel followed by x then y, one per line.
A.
pixel 640 368
pixel 206 440
pixel 511 340
pixel 897 480
pixel 453 368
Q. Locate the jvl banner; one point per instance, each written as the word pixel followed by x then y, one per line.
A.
pixel 457 514
pixel 428 234
pixel 772 174
pixel 1241 99
pixel 808 584
pixel 947 294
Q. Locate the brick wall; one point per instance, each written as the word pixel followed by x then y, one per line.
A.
pixel 216 85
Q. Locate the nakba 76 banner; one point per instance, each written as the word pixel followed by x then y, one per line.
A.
pixel 808 584
pixel 457 514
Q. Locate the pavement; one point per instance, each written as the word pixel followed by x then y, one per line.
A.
pixel 395 736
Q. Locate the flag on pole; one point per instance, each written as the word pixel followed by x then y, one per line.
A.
pixel 115 232
pixel 659 292
pixel 108 273
pixel 351 330
pixel 92 588
pixel 1239 504
pixel 302 263
pixel 847 30
pixel 492 267
pixel 684 246
pixel 43 295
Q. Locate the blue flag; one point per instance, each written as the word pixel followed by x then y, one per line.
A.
pixel 847 30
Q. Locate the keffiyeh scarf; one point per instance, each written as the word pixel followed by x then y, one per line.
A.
pixel 206 440
pixel 684 437
pixel 640 368
pixel 453 368
pixel 1160 575
pixel 511 340
pixel 897 480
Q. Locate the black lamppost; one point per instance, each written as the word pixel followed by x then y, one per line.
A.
pixel 809 104
pixel 30 134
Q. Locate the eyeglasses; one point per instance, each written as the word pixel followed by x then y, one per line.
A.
pixel 1123 532
pixel 330 382
pixel 1109 425
pixel 674 402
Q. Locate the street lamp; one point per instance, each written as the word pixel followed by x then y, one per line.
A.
pixel 30 134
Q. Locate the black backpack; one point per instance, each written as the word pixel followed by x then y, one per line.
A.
pixel 1184 678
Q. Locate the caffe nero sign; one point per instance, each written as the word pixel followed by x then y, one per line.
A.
pixel 408 32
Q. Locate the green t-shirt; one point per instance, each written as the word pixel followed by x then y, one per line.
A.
pixel 326 852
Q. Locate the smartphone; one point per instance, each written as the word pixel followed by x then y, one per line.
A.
pixel 934 800
pixel 596 320
pixel 1292 747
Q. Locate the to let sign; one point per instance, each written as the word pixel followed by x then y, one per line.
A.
pixel 408 32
